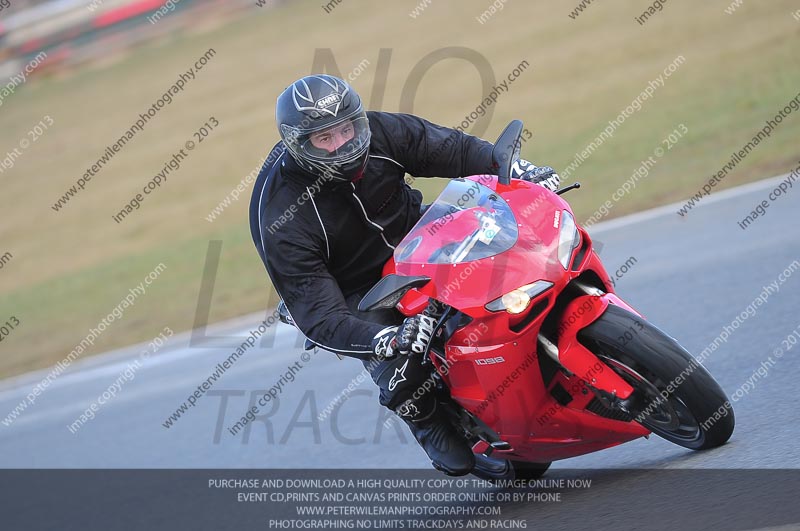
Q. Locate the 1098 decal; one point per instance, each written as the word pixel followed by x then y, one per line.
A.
pixel 490 361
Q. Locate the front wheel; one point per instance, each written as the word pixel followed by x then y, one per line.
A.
pixel 674 396
pixel 494 469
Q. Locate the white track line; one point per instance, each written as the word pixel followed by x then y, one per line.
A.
pixel 177 348
pixel 787 527
pixel 673 208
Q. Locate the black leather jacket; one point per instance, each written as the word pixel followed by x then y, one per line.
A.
pixel 322 241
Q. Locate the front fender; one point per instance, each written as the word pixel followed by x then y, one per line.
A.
pixel 576 358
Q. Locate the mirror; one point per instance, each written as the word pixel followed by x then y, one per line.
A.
pixel 506 151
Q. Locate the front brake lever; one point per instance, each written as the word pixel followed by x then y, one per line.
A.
pixel 447 314
pixel 572 186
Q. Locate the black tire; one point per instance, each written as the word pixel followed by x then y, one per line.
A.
pixel 526 470
pixel 492 469
pixel 696 414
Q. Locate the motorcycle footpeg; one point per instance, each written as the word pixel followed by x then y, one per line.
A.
pixel 496 445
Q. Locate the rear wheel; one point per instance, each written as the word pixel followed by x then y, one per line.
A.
pixel 674 396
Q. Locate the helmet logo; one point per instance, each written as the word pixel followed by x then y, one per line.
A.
pixel 302 93
pixel 328 101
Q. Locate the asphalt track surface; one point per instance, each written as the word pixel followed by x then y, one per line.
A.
pixel 693 275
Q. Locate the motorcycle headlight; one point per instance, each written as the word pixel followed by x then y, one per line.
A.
pixel 568 238
pixel 516 301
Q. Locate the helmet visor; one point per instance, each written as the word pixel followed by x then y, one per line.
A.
pixel 336 144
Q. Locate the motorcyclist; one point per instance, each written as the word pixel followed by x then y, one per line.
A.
pixel 327 210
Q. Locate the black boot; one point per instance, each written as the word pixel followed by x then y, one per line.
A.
pixel 446 448
pixel 402 381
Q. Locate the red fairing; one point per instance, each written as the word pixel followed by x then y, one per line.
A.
pixel 492 366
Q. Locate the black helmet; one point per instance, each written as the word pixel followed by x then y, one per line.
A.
pixel 324 127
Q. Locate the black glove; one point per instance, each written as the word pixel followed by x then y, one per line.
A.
pixel 411 337
pixel 544 176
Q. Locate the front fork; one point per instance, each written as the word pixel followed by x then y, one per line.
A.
pixel 575 359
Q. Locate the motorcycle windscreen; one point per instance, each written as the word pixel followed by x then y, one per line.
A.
pixel 467 222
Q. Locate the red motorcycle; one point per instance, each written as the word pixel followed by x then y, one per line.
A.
pixel 535 356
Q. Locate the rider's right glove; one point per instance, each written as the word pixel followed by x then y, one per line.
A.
pixel 542 175
pixel 410 338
